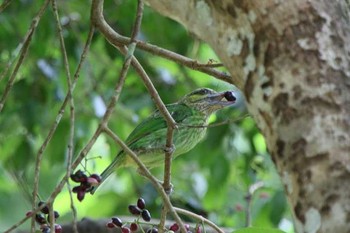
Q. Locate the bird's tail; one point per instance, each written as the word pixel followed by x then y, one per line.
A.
pixel 117 162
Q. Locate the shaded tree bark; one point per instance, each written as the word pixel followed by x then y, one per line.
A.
pixel 291 60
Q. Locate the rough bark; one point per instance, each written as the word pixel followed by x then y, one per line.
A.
pixel 291 60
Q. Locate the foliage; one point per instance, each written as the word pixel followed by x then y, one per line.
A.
pixel 212 180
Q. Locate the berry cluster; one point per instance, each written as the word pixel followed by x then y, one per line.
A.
pixel 138 210
pixel 175 227
pixel 43 219
pixel 86 183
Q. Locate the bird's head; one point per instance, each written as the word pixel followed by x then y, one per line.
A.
pixel 207 100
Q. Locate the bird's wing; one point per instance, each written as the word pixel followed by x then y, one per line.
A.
pixel 156 122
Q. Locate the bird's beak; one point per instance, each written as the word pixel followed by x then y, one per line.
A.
pixel 222 99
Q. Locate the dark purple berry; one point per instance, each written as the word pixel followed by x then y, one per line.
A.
pixel 141 203
pixel 76 189
pixel 81 195
pixel 85 186
pixel 125 230
pixel 45 229
pixel 110 225
pixel 97 177
pixel 45 209
pixel 133 209
pixel 152 230
pixel 58 228
pixel 175 227
pixel 40 218
pixel 187 227
pixel 78 176
pixel 55 213
pixel 146 215
pixel 133 227
pixel 117 221
pixel 229 96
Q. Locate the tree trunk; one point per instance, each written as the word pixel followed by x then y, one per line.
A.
pixel 291 60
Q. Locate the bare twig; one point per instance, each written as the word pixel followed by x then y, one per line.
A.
pixel 23 52
pixel 4 5
pixel 6 68
pixel 249 197
pixel 167 173
pixel 138 20
pixel 59 187
pixel 199 218
pixel 72 112
pixel 118 40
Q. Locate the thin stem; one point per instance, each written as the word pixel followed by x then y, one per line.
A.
pixel 199 218
pixel 23 52
pixel 117 40
pixel 249 198
pixel 4 5
pixel 72 112
pixel 59 187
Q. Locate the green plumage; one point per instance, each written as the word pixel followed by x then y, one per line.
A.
pixel 148 139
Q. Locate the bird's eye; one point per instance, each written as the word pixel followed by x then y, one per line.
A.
pixel 229 96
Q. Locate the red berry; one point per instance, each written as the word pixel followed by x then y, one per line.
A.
pixel 134 210
pixel 133 227
pixel 146 215
pixel 117 221
pixel 110 225
pixel 58 228
pixel 141 203
pixel 29 213
pixel 125 230
pixel 239 207
pixel 175 227
pixel 198 229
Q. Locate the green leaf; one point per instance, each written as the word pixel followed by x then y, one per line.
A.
pixel 258 230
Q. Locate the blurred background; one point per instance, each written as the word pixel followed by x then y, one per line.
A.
pixel 213 179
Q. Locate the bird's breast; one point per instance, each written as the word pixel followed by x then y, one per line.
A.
pixel 189 134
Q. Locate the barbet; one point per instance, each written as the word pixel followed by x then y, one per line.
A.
pixel 191 115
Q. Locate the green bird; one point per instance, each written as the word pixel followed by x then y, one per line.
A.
pixel 147 140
